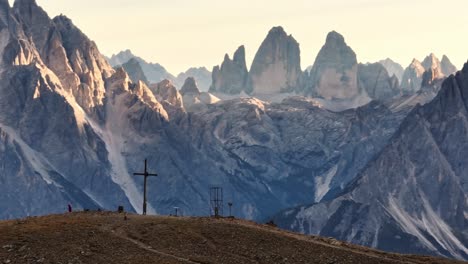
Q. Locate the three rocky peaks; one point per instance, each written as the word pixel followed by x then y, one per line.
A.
pixel 335 75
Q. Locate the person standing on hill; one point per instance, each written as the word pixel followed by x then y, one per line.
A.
pixel 70 209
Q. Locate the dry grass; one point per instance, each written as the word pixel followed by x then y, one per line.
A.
pixel 108 238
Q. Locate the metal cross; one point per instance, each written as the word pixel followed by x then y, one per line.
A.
pixel 146 175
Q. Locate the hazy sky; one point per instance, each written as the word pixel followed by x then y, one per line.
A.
pixel 182 33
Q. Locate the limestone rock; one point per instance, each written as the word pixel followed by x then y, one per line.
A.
pixel 154 72
pixel 134 70
pixel 393 68
pixel 335 71
pixel 166 91
pixel 200 74
pixel 447 67
pixel 376 81
pixel 190 87
pixel 121 58
pixel 194 100
pixel 232 76
pixel 276 67
pixel 412 77
pixel 431 62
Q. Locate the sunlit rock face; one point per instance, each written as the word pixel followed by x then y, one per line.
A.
pixel 277 65
pixel 166 91
pixel 72 56
pixel 412 77
pixel 335 71
pixel 232 76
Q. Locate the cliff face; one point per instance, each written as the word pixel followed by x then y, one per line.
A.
pixel 335 71
pixel 277 65
pixel 232 76
pixel 374 79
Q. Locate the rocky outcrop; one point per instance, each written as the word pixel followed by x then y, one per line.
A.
pixel 166 91
pixel 447 66
pixel 121 58
pixel 276 67
pixel 201 75
pixel 71 55
pixel 232 76
pixel 194 100
pixel 393 68
pixel 190 87
pixel 335 71
pixel 432 63
pixel 134 70
pixel 374 79
pixel 154 72
pixel 412 77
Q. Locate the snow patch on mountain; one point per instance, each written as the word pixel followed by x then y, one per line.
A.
pixel 322 183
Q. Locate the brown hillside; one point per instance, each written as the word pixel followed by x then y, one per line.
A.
pixel 109 238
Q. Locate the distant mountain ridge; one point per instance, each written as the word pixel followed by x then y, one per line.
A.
pixel 155 72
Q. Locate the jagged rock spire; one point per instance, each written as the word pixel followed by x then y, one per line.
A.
pixel 231 77
pixel 334 74
pixel 190 87
pixel 277 65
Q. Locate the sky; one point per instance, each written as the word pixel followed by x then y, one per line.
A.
pixel 180 34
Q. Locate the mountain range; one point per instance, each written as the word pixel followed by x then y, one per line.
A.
pixel 343 150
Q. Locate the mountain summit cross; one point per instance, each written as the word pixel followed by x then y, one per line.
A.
pixel 146 175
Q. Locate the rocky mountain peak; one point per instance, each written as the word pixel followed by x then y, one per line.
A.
pixel 431 62
pixel 393 68
pixel 239 56
pixel 231 77
pixel 226 57
pixel 165 91
pixel 376 81
pixel 38 21
pixel 334 74
pixel 201 74
pixel 412 77
pixel 447 66
pixel 277 65
pixel 121 57
pixel 135 71
pixel 335 39
pixel 190 87
pixel 277 31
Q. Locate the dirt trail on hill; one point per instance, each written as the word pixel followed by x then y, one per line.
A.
pixel 109 238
